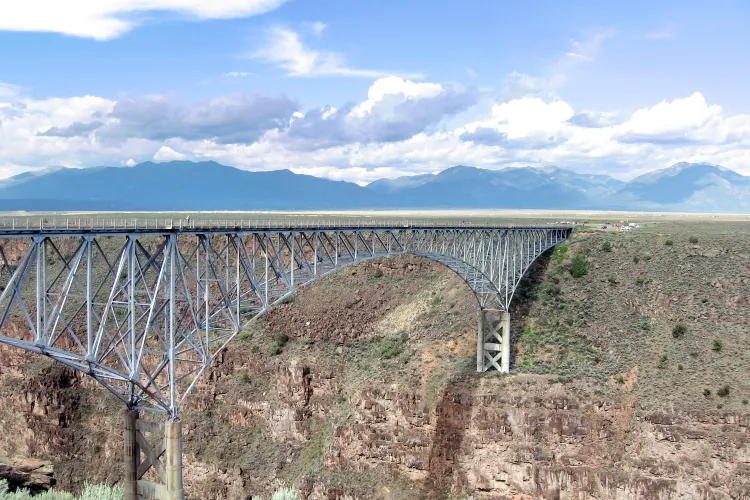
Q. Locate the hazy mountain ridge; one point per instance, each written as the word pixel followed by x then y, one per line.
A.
pixel 187 186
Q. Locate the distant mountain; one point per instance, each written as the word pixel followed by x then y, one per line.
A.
pixel 183 185
pixel 189 186
pixel 689 186
pixel 471 187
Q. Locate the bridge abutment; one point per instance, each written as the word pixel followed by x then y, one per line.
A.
pixel 163 455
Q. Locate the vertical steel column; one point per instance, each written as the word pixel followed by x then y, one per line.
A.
pixel 130 481
pixel 480 341
pixel 292 265
pixel 172 247
pixel 89 303
pixel 40 335
pixel 505 360
pixel 131 308
pixel 173 445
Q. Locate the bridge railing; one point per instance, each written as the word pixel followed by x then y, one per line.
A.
pixel 87 224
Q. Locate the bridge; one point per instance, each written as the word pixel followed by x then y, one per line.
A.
pixel 144 306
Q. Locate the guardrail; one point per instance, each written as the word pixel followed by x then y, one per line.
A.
pixel 184 224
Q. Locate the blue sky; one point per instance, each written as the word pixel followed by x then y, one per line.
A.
pixel 368 89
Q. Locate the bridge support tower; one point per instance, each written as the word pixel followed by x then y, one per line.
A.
pixel 162 454
pixel 493 341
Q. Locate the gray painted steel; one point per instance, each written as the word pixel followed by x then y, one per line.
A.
pixel 145 307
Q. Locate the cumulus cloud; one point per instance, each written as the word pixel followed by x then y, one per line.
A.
pixel 165 153
pixel 107 19
pixel 73 130
pixel 401 127
pixel 235 118
pixel 284 48
pixel 396 109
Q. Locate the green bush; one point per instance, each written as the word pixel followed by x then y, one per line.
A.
pixel 679 330
pixel 680 367
pixel 663 362
pixel 640 280
pixel 707 392
pixel 723 392
pixel 378 273
pixel 620 379
pixel 718 345
pixel 607 247
pixel 704 300
pixel 286 494
pixel 693 239
pixel 391 347
pixel 579 266
pixel 612 280
pixel 90 492
pixel 559 253
pixel 669 243
pixel 644 324
pixel 636 259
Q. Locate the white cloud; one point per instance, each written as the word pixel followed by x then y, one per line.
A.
pixel 107 19
pixel 400 128
pixel 284 48
pixel 318 28
pixel 130 163
pixel 165 153
pixel 236 74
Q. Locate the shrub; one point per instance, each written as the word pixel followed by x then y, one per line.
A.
pixel 378 273
pixel 723 392
pixel 680 367
pixel 636 259
pixel 279 341
pixel 669 243
pixel 663 362
pixel 679 330
pixel 559 253
pixel 640 280
pixel 607 247
pixel 579 266
pixel 693 239
pixel 612 280
pixel 243 377
pixel 744 401
pixel 707 392
pixel 704 300
pixel 391 347
pixel 620 379
pixel 718 345
pixel 644 324
pixel 90 492
pixel 286 494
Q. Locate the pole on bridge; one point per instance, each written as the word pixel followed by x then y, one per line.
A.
pixel 132 457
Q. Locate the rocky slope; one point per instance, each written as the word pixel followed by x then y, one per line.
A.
pixel 373 395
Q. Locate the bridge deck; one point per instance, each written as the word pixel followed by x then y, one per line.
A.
pixel 26 226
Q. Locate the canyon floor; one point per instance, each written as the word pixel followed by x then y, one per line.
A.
pixel 630 381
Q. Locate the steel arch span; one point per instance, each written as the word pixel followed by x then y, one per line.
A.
pixel 145 310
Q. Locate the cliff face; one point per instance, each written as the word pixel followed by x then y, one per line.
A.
pixel 374 395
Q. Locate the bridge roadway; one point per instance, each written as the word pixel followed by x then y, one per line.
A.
pixel 144 306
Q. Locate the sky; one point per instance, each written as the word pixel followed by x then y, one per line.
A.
pixel 372 89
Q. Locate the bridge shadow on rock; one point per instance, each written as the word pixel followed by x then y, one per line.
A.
pixel 526 297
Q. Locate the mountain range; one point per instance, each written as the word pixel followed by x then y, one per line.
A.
pixel 191 186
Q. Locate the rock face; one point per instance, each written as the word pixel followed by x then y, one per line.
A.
pixel 375 394
pixel 28 473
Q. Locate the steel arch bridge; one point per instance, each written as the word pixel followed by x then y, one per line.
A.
pixel 145 306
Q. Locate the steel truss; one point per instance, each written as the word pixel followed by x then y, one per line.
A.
pixel 145 313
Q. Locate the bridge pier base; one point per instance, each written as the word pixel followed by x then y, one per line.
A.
pixel 163 455
pixel 493 341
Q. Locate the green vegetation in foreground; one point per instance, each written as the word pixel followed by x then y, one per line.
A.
pixel 90 492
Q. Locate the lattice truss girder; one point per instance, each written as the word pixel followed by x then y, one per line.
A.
pixel 146 314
